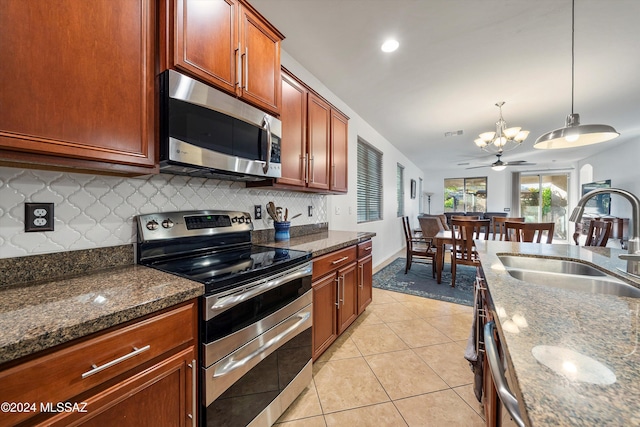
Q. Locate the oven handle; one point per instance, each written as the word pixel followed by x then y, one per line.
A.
pixel 224 373
pixel 263 350
pixel 226 302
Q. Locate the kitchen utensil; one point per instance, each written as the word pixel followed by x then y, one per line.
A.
pixel 296 216
pixel 286 214
pixel 279 213
pixel 271 210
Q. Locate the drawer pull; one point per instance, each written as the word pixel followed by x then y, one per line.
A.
pixel 96 369
pixel 338 261
pixel 368 248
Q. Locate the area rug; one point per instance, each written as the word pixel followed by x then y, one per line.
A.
pixel 418 281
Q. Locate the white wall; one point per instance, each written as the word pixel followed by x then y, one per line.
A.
pixel 389 239
pixel 621 166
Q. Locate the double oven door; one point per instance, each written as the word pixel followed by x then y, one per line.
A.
pixel 256 349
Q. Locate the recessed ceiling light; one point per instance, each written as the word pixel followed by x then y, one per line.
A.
pixel 390 45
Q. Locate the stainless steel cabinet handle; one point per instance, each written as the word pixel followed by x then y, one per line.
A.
pixel 136 351
pixel 238 67
pixel 342 300
pixel 497 373
pixel 312 172
pixel 361 267
pixel 304 167
pixel 338 261
pixel 333 169
pixel 194 404
pixel 337 292
pixel 246 69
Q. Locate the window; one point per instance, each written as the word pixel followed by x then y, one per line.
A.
pixel 369 183
pixel 400 189
pixel 465 194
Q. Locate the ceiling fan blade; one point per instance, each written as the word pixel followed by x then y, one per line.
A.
pixel 516 162
pixel 478 167
pixel 523 163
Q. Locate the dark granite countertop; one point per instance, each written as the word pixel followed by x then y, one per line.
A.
pixel 593 339
pixel 40 315
pixel 324 242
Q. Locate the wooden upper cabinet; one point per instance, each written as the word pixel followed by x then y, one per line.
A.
pixel 77 84
pixel 339 152
pixel 319 116
pixel 227 44
pixel 293 147
pixel 260 52
pixel 206 41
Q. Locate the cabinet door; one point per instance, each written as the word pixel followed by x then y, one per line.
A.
pixel 206 41
pixel 77 84
pixel 294 132
pixel 163 395
pixel 339 152
pixel 348 297
pixel 324 328
pixel 319 116
pixel 365 282
pixel 260 52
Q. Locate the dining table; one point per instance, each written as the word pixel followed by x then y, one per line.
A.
pixel 440 241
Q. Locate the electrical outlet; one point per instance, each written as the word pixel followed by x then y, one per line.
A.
pixel 507 209
pixel 257 211
pixel 337 210
pixel 38 217
pixel 310 209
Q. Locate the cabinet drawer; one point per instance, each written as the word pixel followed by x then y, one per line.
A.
pixel 63 374
pixel 365 248
pixel 331 262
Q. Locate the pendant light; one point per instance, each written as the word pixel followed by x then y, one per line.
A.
pixel 574 134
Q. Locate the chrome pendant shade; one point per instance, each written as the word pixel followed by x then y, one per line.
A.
pixel 574 134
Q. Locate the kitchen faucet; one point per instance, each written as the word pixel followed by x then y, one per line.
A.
pixel 633 257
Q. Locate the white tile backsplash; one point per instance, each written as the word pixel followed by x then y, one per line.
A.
pixel 95 211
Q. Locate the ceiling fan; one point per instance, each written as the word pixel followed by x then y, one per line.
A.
pixel 499 165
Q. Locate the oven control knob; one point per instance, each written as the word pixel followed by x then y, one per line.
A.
pixel 152 225
pixel 234 219
pixel 241 220
pixel 167 223
pixel 247 219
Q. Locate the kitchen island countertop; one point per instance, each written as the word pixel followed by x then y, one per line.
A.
pixel 602 328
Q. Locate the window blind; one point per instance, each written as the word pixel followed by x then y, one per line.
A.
pixel 400 189
pixel 369 183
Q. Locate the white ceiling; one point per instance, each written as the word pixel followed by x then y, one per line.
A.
pixel 457 58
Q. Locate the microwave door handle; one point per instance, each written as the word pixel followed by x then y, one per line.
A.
pixel 267 126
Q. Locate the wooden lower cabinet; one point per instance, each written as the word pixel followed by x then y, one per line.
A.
pixel 347 297
pixel 140 373
pixel 342 289
pixel 162 395
pixel 325 324
pixel 365 282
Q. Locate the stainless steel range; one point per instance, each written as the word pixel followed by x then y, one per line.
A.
pixel 255 329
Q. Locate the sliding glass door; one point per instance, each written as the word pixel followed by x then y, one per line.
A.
pixel 543 198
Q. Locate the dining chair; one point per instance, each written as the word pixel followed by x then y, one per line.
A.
pixel 419 249
pixel 463 250
pixel 598 234
pixel 497 228
pixel 528 231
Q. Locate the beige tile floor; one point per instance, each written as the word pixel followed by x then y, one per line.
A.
pixel 400 364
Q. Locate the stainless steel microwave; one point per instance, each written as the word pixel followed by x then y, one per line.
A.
pixel 205 132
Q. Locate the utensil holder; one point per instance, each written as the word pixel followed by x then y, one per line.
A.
pixel 282 230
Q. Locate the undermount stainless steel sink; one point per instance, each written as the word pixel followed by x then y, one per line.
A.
pixel 566 274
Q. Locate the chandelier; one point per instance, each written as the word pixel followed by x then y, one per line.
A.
pixel 503 139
